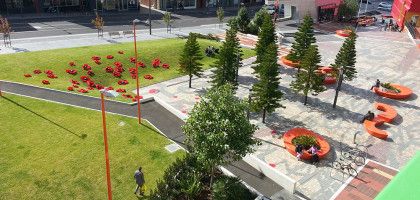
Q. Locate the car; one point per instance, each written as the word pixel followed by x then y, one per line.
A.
pixel 385 5
pixel 270 9
pixel 385 8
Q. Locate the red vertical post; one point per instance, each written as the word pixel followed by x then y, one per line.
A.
pixel 137 75
pixel 0 90
pixel 108 174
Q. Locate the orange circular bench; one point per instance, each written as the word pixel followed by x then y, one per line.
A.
pixel 371 128
pixel 404 93
pixel 328 79
pixel 289 62
pixel 292 133
pixel 388 112
pixel 343 33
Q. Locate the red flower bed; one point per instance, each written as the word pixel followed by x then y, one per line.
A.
pixel 127 96
pixel 132 60
pixel 82 90
pixel 90 83
pixel 75 86
pixel 156 63
pixel 52 76
pixel 148 77
pixel 96 58
pixel 99 86
pixel 72 64
pixel 117 74
pixel 119 69
pixel 109 56
pixel 121 90
pixel 122 82
pixel 165 65
pixel 140 64
pixel 71 71
pixel 110 88
pixel 118 64
pixel 74 82
pixel 121 52
pixel 70 88
pixel 132 70
pixel 37 71
pixel 45 82
pixel 109 69
pixel 27 75
pixel 85 78
pixel 48 71
pixel 90 88
pixel 98 62
pixel 86 67
pixel 90 73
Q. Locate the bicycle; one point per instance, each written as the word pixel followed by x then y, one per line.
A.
pixel 345 166
pixel 356 155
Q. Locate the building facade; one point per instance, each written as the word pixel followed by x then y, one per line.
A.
pixel 406 11
pixel 317 9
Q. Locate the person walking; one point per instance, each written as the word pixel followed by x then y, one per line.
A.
pixel 138 175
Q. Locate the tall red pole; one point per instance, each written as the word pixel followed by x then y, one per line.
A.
pixel 108 175
pixel 0 91
pixel 137 75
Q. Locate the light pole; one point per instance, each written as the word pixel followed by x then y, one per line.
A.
pixel 338 88
pixel 150 17
pixel 108 93
pixel 137 71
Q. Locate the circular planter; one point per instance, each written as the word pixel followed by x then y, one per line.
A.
pixel 404 94
pixel 292 133
pixel 289 62
pixel 343 33
pixel 328 80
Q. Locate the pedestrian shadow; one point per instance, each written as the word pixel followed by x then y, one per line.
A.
pixel 81 136
pixel 18 50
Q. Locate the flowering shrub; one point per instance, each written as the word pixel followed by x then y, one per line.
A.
pixel 98 62
pixel 99 86
pixel 140 64
pixel 156 63
pixel 148 76
pixel 109 56
pixel 85 78
pixel 45 82
pixel 74 82
pixel 96 58
pixel 90 73
pixel 48 71
pixel 109 69
pixel 37 71
pixel 132 70
pixel 127 96
pixel 90 83
pixel 117 64
pixel 52 76
pixel 71 71
pixel 118 69
pixel 133 76
pixel 70 88
pixel 132 60
pixel 165 65
pixel 121 52
pixel 122 82
pixel 72 64
pixel 110 88
pixel 27 75
pixel 82 90
pixel 117 74
pixel 121 90
pixel 86 67
pixel 90 88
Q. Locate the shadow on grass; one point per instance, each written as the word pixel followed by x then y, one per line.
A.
pixel 82 136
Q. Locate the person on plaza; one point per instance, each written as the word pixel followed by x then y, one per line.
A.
pixel 299 151
pixel 377 84
pixel 139 177
pixel 368 116
pixel 314 154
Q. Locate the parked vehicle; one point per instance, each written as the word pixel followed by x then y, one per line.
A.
pixel 385 6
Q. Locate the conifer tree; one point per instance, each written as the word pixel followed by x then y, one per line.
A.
pixel 303 39
pixel 345 61
pixel 266 37
pixel 228 61
pixel 265 94
pixel 189 62
pixel 243 19
pixel 308 80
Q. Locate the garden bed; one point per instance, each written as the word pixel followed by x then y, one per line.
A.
pixel 289 62
pixel 291 134
pixel 404 93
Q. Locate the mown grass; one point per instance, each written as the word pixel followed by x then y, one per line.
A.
pixel 52 151
pixel 14 66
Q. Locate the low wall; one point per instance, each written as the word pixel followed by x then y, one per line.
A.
pixel 278 177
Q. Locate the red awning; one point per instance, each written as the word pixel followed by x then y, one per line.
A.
pixel 329 6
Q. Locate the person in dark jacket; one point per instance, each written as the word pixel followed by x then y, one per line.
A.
pixel 138 175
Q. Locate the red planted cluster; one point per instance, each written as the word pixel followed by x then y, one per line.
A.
pixel 50 74
pixel 70 88
pixel 85 78
pixel 72 64
pixel 109 56
pixel 133 72
pixel 137 97
pixel 45 82
pixel 122 82
pixel 74 82
pixel 86 67
pixel 90 73
pixel 117 74
pixel 96 58
pixel 98 62
pixel 121 90
pixel 109 69
pixel 37 71
pixel 90 83
pixel 121 52
pixel 83 90
pixel 165 65
pixel 148 76
pixel 127 96
pixel 140 64
pixel 99 86
pixel 133 60
pixel 27 75
pixel 156 62
pixel 110 88
pixel 71 71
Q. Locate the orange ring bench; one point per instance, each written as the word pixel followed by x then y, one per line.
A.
pixel 292 133
pixel 328 79
pixel 388 114
pixel 371 128
pixel 343 33
pixel 404 94
pixel 289 62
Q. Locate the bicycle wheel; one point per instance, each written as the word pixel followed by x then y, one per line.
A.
pixel 352 172
pixel 347 155
pixel 336 165
pixel 359 161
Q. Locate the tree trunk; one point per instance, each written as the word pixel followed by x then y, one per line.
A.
pixel 306 99
pixel 337 89
pixel 211 176
pixel 263 117
pixel 189 83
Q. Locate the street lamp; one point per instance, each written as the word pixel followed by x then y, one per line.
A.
pixel 108 93
pixel 150 17
pixel 137 71
pixel 341 72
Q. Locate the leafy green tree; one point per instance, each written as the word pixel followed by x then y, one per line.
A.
pixel 303 39
pixel 348 9
pixel 220 15
pixel 243 19
pixel 256 22
pixel 228 60
pixel 218 131
pixel 226 188
pixel 345 62
pixel 308 80
pixel 167 19
pixel 189 61
pixel 265 94
pixel 266 37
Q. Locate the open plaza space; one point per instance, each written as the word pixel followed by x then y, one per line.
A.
pixel 53 89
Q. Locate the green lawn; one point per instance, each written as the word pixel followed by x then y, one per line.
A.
pixel 14 66
pixel 43 156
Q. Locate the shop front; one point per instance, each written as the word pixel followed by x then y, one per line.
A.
pixel 327 9
pixel 407 14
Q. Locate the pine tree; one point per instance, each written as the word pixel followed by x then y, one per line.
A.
pixel 243 19
pixel 303 39
pixel 265 94
pixel 189 62
pixel 266 37
pixel 308 80
pixel 228 61
pixel 345 61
